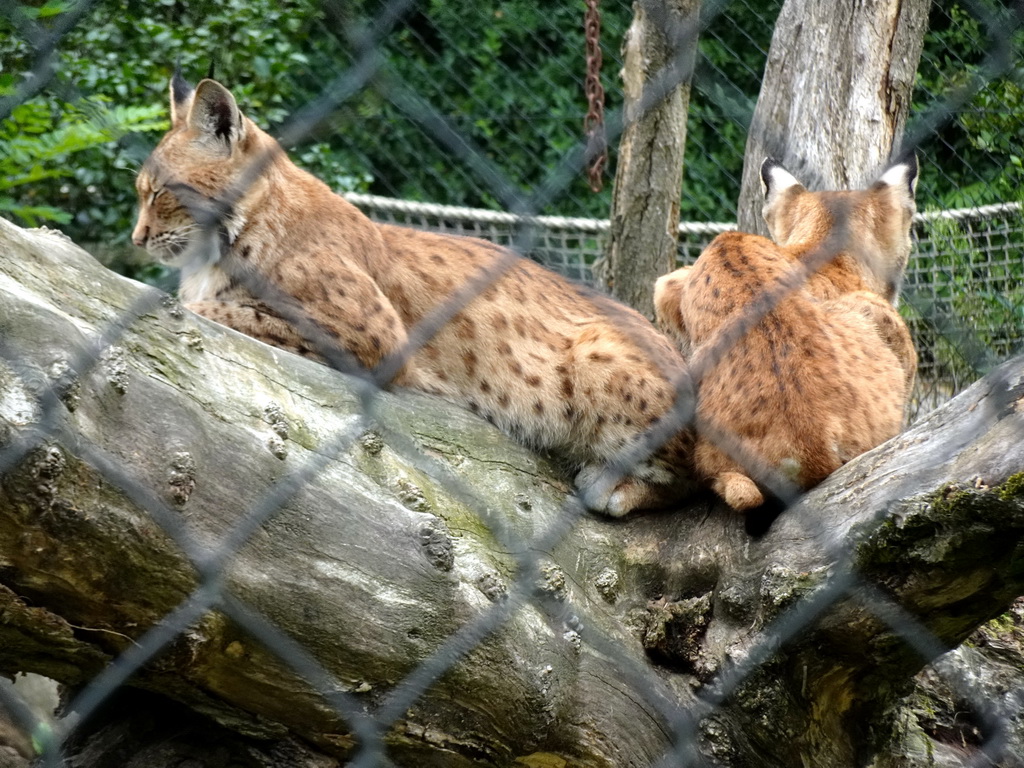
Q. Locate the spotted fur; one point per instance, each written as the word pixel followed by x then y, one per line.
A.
pixel 826 373
pixel 554 365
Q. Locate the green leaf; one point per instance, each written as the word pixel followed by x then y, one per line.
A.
pixel 53 8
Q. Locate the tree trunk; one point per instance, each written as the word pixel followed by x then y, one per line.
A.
pixel 192 491
pixel 659 52
pixel 835 95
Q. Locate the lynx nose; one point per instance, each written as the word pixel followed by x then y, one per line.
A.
pixel 140 236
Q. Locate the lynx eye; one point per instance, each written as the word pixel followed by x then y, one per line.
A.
pixel 155 195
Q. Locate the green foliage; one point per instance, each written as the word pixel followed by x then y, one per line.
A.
pixel 507 78
pixel 36 148
pixel 974 158
pixel 733 49
pixel 965 295
pixel 124 52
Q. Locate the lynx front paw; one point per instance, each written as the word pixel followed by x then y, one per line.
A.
pixel 595 488
pixel 599 494
pixel 738 491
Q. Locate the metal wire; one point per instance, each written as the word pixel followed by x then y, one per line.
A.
pixel 524 232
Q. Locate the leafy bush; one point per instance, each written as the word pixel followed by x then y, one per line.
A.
pixel 506 77
pixel 124 52
pixel 37 148
pixel 965 294
pixel 974 158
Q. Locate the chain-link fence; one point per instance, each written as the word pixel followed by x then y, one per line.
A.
pixel 965 273
pixel 387 111
pixel 524 118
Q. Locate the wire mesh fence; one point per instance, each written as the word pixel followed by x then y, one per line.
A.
pixel 965 272
pixel 963 290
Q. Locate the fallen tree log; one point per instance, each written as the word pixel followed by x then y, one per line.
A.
pixel 194 505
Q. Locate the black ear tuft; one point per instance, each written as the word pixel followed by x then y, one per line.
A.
pixel 910 160
pixel 902 172
pixel 181 90
pixel 906 157
pixel 766 169
pixel 776 179
pixel 213 65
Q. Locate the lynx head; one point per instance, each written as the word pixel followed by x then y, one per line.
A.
pixel 199 178
pixel 877 219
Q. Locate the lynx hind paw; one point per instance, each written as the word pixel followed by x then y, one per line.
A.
pixel 738 491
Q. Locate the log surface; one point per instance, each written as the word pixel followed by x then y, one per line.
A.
pixel 381 531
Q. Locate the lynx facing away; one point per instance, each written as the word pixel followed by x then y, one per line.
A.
pixel 823 373
pixel 292 264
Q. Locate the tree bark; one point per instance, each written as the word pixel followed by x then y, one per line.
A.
pixel 659 52
pixel 835 95
pixel 423 533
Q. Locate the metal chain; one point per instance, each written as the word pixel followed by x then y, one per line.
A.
pixel 593 123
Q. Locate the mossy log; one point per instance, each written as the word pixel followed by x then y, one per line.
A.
pixel 164 477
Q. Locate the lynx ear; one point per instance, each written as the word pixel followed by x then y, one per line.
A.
pixel 215 117
pixel 181 97
pixel 902 176
pixel 775 179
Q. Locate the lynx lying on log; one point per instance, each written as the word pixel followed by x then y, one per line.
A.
pixel 296 266
pixel 825 369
